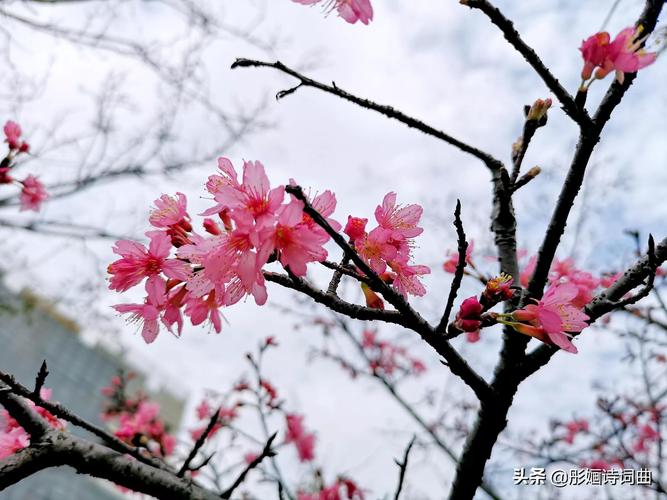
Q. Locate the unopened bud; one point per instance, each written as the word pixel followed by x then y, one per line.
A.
pixel 538 111
pixel 373 300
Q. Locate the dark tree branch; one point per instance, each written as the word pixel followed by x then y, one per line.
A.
pixel 266 452
pixel 343 270
pixel 607 301
pixel 409 408
pixel 62 412
pixel 387 111
pixel 198 444
pixel 403 466
pixel 588 139
pixel 494 14
pixel 334 303
pixel 50 448
pixel 411 318
pixel 460 266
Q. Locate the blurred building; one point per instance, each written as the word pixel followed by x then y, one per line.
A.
pixel 31 330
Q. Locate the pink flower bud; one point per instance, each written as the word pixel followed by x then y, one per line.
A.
pixel 355 227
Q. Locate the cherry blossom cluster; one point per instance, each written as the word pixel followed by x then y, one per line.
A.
pixel 552 319
pixel 135 419
pixel 249 226
pixel 13 437
pixel 624 54
pixel 388 358
pixel 387 248
pixel 350 10
pixel 33 192
pixel 219 269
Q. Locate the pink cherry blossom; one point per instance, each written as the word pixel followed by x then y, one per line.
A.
pixel 325 204
pixel 564 271
pixel 553 317
pixel 573 428
pixel 296 243
pixel 594 51
pixel 169 211
pixel 12 132
pixel 33 193
pixel 199 310
pixel 145 422
pixel 624 54
pixel 138 262
pixel 12 441
pixel 401 221
pixel 376 249
pixel 149 312
pixel 407 278
pixel 253 195
pixel 355 228
pixel 13 437
pixel 350 10
pixel 303 441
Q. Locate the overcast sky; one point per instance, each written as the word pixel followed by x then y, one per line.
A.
pixel 434 59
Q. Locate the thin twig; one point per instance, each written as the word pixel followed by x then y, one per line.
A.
pixel 387 111
pixel 403 465
pixel 458 273
pixel 40 379
pixel 199 443
pixel 266 452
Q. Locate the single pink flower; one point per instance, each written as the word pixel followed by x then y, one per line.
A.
pixel 626 53
pixel 376 249
pixel 407 279
pixel 325 204
pixel 552 318
pixel 138 262
pixel 148 313
pixel 355 228
pixel 12 132
pixel 199 310
pixel 33 193
pixel 169 211
pixel 595 50
pixel 350 10
pixel 253 196
pixel 401 221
